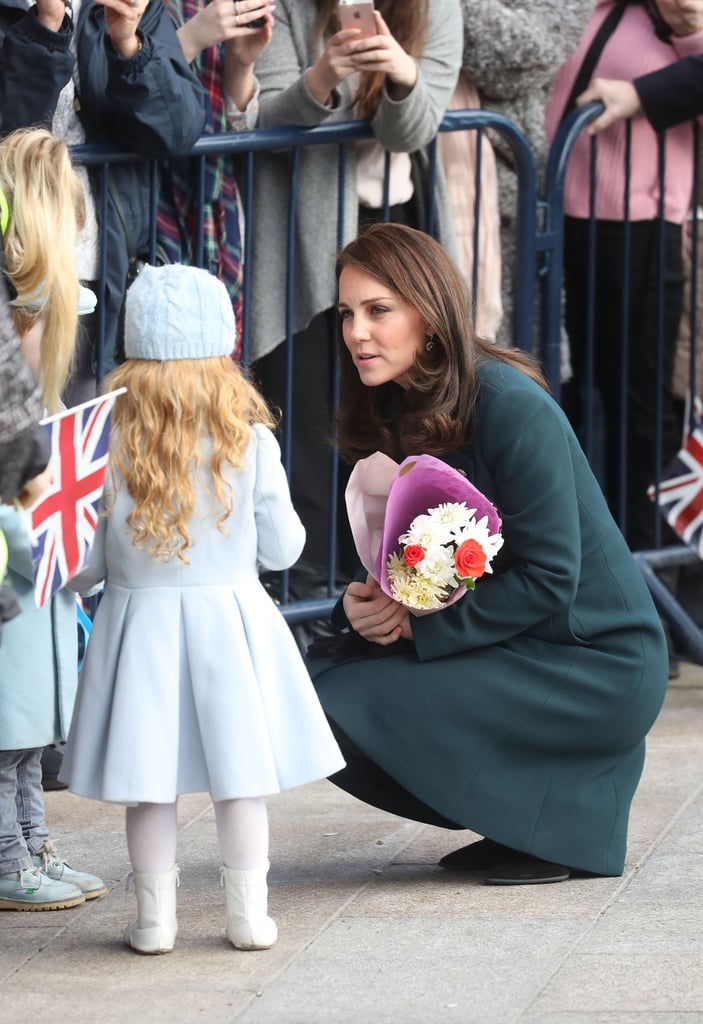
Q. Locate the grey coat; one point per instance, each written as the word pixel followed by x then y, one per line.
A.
pixel 408 125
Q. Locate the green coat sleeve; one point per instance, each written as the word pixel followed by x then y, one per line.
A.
pixel 522 450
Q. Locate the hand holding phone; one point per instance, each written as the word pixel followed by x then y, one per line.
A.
pixel 357 14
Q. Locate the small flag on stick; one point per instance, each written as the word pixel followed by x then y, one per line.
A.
pixel 63 521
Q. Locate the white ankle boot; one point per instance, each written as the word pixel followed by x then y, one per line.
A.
pixel 248 925
pixel 156 927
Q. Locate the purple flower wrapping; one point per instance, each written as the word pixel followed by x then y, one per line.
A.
pixel 383 499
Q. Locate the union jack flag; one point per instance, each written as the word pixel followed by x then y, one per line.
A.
pixel 680 496
pixel 63 521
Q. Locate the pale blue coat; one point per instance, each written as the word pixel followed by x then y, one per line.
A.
pixel 192 681
pixel 38 653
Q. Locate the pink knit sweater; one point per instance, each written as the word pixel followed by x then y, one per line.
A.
pixel 632 50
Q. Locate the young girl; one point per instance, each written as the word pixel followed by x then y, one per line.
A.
pixel 192 681
pixel 41 204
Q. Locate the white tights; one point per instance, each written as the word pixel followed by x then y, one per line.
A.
pixel 242 832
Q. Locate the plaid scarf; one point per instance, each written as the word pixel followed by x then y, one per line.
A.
pixel 177 221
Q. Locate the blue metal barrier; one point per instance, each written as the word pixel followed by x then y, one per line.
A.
pixel 539 258
pixel 245 145
pixel 661 558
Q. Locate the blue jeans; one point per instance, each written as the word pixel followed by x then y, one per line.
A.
pixel 22 825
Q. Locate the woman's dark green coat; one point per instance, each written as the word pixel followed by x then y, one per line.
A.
pixel 521 712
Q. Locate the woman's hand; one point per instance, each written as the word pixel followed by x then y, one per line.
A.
pixel 122 18
pixel 229 21
pixel 619 98
pixel 374 615
pixel 332 66
pixel 684 17
pixel 383 53
pixel 51 13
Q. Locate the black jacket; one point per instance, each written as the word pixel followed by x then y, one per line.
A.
pixel 673 94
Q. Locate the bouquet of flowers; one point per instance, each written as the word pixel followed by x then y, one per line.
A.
pixel 444 548
pixel 421 529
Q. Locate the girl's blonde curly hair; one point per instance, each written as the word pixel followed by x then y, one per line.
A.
pixel 46 208
pixel 159 428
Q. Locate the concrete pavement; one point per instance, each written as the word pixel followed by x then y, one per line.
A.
pixel 371 931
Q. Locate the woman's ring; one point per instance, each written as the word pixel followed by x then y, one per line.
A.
pixel 236 11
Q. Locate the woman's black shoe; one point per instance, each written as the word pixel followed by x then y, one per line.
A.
pixel 522 869
pixel 478 856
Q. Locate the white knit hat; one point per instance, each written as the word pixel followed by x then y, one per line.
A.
pixel 178 312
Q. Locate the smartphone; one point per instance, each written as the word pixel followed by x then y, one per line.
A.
pixel 358 14
pixel 259 23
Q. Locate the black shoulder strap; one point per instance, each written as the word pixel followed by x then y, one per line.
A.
pixel 585 72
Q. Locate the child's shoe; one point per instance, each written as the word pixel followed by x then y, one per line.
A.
pixel 156 926
pixel 30 889
pixel 248 925
pixel 49 863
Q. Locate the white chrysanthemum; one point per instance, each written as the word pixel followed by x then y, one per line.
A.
pixel 425 531
pixel 396 564
pixel 451 516
pixel 414 592
pixel 438 567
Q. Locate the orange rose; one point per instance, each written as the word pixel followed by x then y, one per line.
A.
pixel 470 560
pixel 413 554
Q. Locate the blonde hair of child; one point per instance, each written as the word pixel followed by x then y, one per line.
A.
pixel 46 208
pixel 159 427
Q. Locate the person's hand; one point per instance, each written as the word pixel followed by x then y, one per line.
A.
pixel 374 615
pixel 684 17
pixel 383 53
pixel 122 19
pixel 228 21
pixel 334 64
pixel 34 488
pixel 619 98
pixel 247 45
pixel 51 13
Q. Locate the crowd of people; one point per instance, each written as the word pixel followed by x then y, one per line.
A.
pixel 519 712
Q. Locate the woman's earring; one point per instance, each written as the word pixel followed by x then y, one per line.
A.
pixel 429 344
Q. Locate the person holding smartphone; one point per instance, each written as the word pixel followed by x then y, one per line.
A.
pixel 313 73
pixel 221 41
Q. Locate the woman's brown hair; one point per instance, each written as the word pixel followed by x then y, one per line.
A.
pixel 408 25
pixel 440 403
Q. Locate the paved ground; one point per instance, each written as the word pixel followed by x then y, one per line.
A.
pixel 373 932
